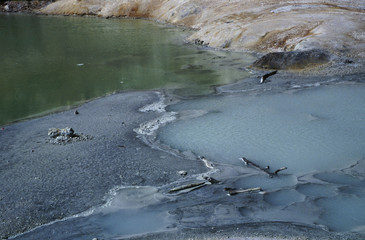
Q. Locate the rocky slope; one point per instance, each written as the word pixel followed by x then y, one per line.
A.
pixel 336 28
pixel 23 6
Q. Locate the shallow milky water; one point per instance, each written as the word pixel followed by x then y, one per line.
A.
pixel 310 130
pixel 318 131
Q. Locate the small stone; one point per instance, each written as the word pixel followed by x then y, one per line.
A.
pixel 211 180
pixel 60 139
pixel 68 132
pixel 76 112
pixel 53 132
pixel 182 173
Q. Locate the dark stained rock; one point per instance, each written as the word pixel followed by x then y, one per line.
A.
pixel 292 60
pixel 23 6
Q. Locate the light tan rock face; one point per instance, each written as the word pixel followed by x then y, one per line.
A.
pixel 249 25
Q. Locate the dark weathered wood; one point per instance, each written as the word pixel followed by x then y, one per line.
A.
pixel 188 186
pixel 266 169
pixel 279 170
pixel 264 77
pixel 232 191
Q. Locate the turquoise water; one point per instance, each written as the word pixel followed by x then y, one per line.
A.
pixel 50 63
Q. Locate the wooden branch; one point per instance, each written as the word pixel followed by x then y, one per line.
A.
pixel 248 162
pixel 266 169
pixel 264 77
pixel 232 191
pixel 279 170
pixel 191 186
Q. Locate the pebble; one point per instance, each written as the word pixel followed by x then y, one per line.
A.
pixel 182 173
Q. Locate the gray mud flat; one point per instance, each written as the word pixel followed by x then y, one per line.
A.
pixel 115 184
pixel 41 182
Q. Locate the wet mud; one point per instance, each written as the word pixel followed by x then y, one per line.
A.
pixel 42 182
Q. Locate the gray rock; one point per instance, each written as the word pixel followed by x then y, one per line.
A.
pixel 292 60
pixel 65 135
pixel 182 173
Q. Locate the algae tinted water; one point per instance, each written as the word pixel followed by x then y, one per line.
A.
pixel 52 62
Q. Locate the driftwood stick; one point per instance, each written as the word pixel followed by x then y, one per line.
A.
pixel 192 186
pixel 248 162
pixel 266 169
pixel 279 170
pixel 232 192
pixel 264 77
pixel 184 187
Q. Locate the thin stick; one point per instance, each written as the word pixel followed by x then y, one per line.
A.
pixel 279 170
pixel 232 192
pixel 266 170
pixel 264 77
pixel 192 185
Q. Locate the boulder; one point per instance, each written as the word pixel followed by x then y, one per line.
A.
pixel 292 60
